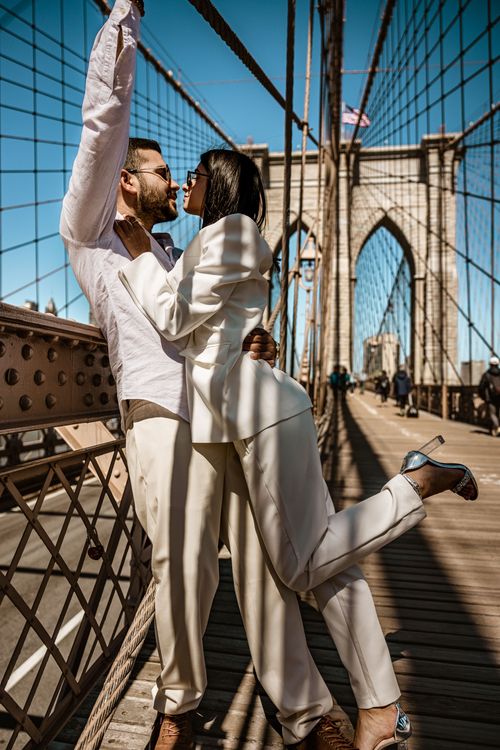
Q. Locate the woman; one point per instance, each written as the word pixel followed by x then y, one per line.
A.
pixel 213 297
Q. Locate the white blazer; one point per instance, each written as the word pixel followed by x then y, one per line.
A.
pixel 211 300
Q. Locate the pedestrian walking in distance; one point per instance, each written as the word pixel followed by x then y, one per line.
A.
pixel 402 389
pixel 489 390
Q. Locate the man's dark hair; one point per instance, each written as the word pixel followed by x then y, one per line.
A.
pixel 134 160
pixel 235 187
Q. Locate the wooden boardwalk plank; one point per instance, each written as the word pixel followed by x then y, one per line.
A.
pixel 436 591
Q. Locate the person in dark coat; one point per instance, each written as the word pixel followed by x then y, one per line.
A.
pixel 344 381
pixel 489 390
pixel 383 386
pixel 402 388
pixel 334 380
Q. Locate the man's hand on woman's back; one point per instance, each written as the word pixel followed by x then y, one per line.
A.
pixel 261 345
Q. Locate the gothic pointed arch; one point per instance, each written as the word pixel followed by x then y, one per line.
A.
pixel 393 228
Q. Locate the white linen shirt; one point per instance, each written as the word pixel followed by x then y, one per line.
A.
pixel 144 364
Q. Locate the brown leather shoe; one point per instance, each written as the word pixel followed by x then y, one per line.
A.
pixel 173 732
pixel 326 735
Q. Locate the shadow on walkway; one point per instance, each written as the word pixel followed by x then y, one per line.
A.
pixel 447 669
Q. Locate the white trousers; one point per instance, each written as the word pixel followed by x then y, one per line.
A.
pixel 306 540
pixel 185 496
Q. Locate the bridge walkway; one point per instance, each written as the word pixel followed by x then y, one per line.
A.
pixel 436 590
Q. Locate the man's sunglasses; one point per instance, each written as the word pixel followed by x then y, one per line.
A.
pixel 192 176
pixel 163 172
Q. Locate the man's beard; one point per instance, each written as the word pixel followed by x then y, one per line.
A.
pixel 152 207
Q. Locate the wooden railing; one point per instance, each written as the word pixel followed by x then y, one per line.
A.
pixel 459 402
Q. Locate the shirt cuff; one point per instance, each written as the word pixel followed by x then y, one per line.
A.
pixel 127 13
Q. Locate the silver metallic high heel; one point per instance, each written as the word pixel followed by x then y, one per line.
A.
pixel 402 732
pixel 416 459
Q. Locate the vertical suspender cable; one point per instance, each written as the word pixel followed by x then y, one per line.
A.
pixel 296 272
pixel 465 201
pixel 331 246
pixel 285 249
pixel 319 209
pixel 492 178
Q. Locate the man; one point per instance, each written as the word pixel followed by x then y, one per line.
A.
pixel 178 491
pixel 489 390
pixel 362 382
pixel 382 387
pixel 334 380
pixel 402 388
pixel 344 381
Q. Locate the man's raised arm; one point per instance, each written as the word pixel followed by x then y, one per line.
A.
pixel 89 206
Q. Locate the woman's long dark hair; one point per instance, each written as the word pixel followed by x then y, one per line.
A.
pixel 235 187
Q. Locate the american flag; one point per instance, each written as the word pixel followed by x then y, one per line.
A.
pixel 350 117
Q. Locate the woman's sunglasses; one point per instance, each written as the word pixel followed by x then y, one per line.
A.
pixel 192 176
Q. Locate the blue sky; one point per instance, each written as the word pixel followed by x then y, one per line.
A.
pixel 244 105
pixel 183 41
pixel 178 36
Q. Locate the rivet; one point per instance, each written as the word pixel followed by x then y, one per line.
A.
pixel 104 398
pixel 2 348
pixel 95 553
pixel 50 401
pixel 27 351
pixel 89 360
pixel 73 343
pixel 11 376
pixel 62 378
pixel 39 377
pixel 105 361
pixel 80 378
pixel 52 355
pixel 25 402
pixel 111 380
pixel 96 379
pixel 90 347
pixel 116 474
pixel 88 399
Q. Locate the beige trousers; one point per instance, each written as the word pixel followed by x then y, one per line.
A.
pixel 307 542
pixel 185 495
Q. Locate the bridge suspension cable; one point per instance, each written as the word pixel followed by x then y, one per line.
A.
pixel 42 77
pixel 421 81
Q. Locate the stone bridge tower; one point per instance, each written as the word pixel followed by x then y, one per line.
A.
pixel 409 190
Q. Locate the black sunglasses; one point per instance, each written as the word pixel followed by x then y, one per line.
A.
pixel 163 172
pixel 192 176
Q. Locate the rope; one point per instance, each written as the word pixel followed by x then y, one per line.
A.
pixel 119 673
pixel 296 272
pixel 287 179
pixel 384 27
pixel 222 28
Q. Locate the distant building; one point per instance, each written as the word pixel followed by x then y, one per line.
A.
pixel 471 371
pixel 381 353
